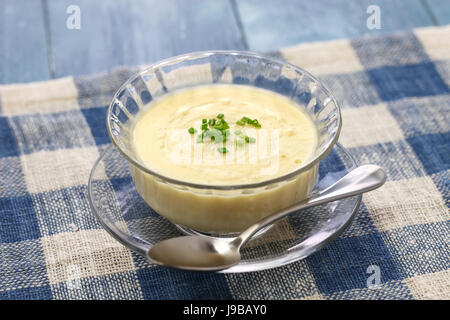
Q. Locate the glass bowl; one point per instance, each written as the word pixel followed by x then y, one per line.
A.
pixel 222 209
pixel 130 220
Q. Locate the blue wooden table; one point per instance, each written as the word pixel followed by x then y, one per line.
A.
pixel 37 44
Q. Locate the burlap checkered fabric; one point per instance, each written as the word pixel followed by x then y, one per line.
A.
pixel 396 113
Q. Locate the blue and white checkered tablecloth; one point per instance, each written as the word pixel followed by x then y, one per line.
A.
pixel 396 113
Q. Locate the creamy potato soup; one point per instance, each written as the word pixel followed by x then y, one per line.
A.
pixel 285 138
pixel 223 135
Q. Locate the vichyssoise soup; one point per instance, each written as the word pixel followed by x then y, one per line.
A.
pixel 223 135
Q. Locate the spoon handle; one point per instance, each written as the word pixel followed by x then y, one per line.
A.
pixel 362 179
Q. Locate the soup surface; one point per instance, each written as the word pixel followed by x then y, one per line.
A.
pixel 251 135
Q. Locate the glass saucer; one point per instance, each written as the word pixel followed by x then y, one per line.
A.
pixel 128 218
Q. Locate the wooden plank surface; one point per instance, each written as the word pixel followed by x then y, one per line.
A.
pixel 135 32
pixel 23 50
pixel 440 9
pixel 269 25
pixel 131 32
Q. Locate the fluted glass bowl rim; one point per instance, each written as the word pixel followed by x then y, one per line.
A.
pixel 202 54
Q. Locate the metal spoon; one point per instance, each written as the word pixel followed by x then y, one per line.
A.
pixel 213 254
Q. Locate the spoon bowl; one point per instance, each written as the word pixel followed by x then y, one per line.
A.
pixel 195 253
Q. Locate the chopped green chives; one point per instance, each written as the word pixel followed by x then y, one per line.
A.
pixel 218 131
pixel 256 123
pixel 249 121
pixel 250 139
pixel 221 126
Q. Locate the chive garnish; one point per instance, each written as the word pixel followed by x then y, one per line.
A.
pixel 218 131
pixel 245 120
pixel 255 123
pixel 249 121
